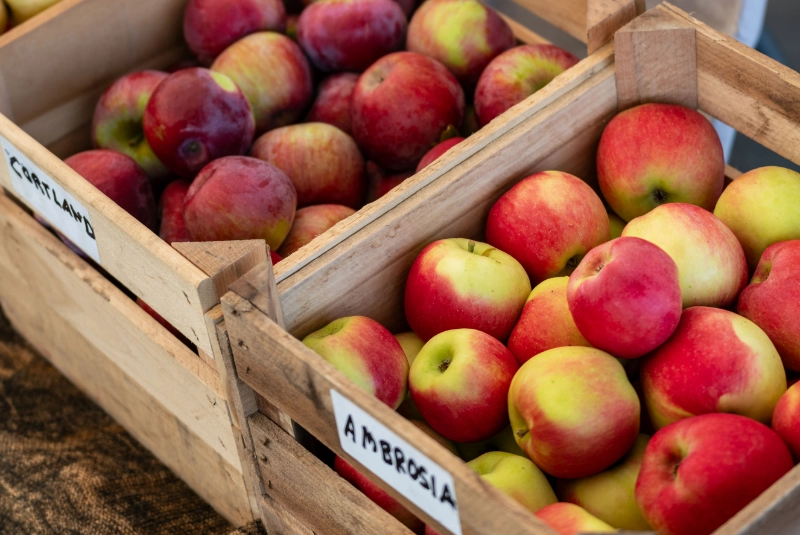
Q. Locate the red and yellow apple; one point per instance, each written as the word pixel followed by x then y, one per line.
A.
pixel 310 222
pixel 173 226
pixel 332 104
pixel 571 519
pixel 516 476
pixel 786 419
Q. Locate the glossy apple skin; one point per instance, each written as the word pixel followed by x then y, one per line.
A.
pixel 332 104
pixel 545 323
pixel 173 227
pixel 760 207
pixel 716 361
pixel 517 74
pixel 323 162
pixel 273 74
pixel 699 472
pixel 310 222
pixel 573 411
pixel 609 495
pixel 401 106
pixel 658 153
pixel 570 519
pixel 121 179
pixel 516 476
pixel 450 287
pixel 786 419
pixel 464 35
pixel 240 198
pixel 117 120
pixel 350 35
pixel 195 116
pixel 434 154
pixel 712 267
pixel 459 381
pixel 772 300
pixel 625 297
pixel 548 221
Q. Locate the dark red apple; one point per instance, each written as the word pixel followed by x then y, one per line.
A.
pixel 332 104
pixel 173 227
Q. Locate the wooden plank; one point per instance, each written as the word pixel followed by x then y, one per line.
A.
pixel 656 61
pixel 731 173
pixel 605 17
pixel 523 34
pixel 567 15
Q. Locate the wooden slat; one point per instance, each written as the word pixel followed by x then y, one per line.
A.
pixel 523 34
pixel 567 15
pixel 604 17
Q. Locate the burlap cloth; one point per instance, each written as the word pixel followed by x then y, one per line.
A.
pixel 66 467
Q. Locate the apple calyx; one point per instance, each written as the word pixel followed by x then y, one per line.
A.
pixel 660 196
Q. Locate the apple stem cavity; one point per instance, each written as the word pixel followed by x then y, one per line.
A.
pixel 660 196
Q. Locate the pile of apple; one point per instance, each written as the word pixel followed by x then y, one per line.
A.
pixel 643 378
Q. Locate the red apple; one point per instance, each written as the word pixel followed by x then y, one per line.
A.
pixel 382 182
pixel 434 154
pixel 275 257
pixel 401 106
pixel 173 227
pixel 310 222
pixel 699 472
pixel 332 104
pixel 571 519
pixel 240 198
pixel 786 419
pixel 625 297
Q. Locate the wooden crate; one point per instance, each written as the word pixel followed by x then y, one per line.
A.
pixel 664 55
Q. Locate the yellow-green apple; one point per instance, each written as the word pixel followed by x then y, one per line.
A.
pixel 323 162
pixel 459 381
pixel 772 299
pixel 573 411
pixel 699 472
pixel 571 519
pixel 117 121
pixel 173 227
pixel 786 419
pixel 210 26
pixel 712 268
pixel 716 361
pixel 516 476
pixel 517 74
pixel 195 116
pixel 22 10
pixel 367 354
pixel 240 198
pixel 332 104
pixel 625 297
pixel 609 495
pixel 273 74
pixel 350 35
pixel 459 283
pixel 434 154
pixel 464 35
pixel 653 154
pixel 411 344
pixel 615 225
pixel 760 207
pixel 401 106
pixel 121 179
pixel 545 323
pixel 548 221
pixel 382 181
pixel 310 222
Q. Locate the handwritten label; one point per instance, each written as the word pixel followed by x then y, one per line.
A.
pixel 50 200
pixel 396 462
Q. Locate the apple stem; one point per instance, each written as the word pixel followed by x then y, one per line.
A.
pixel 660 196
pixel 471 246
pixel 444 365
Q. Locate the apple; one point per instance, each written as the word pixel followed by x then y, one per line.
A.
pixel 517 74
pixel 548 221
pixel 654 154
pixel 350 35
pixel 786 419
pixel 573 411
pixel 323 162
pixel 22 10
pixel 516 476
pixel 716 361
pixel 173 227
pixel 502 441
pixel 772 300
pixel 411 344
pixel 712 268
pixel 291 26
pixel 464 35
pixel 240 198
pixel 117 122
pixel 459 283
pixel 609 495
pixel 625 297
pixel 273 74
pixel 401 106
pixel 121 179
pixel 3 18
pixel 437 151
pixel 571 519
pixel 274 257
pixel 545 323
pixel 615 224
pixel 332 104
pixel 382 182
pixel 459 381
pixel 195 116
pixel 699 472
pixel 760 207
pixel 310 222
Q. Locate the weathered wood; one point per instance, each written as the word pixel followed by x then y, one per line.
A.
pixel 523 34
pixel 604 17
pixel 567 15
pixel 656 57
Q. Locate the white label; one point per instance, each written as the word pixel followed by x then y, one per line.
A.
pixel 50 200
pixel 396 462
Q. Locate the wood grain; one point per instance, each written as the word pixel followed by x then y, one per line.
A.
pixel 566 15
pixel 605 17
pixel 523 34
